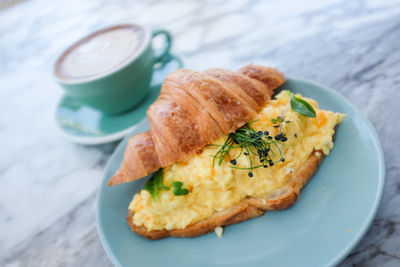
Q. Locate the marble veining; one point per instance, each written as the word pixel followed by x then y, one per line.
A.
pixel 48 184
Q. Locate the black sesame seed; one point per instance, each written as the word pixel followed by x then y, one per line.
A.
pixel 284 139
pixel 250 174
pixel 278 137
pixel 282 159
pixel 261 160
pixel 270 137
pixel 252 135
pixel 266 133
pixel 246 154
pixel 259 132
pixel 295 135
pixel 265 166
pixel 233 162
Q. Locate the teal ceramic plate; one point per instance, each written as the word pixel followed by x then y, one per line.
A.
pixel 85 125
pixel 331 215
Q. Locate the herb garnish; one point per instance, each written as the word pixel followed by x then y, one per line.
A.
pixel 260 143
pixel 250 142
pixel 155 184
pixel 301 106
pixel 178 190
pixel 278 120
pixel 277 123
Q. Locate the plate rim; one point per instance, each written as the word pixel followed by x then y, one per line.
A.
pixel 381 178
pixel 347 249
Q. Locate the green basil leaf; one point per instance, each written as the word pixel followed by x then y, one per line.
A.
pixel 302 107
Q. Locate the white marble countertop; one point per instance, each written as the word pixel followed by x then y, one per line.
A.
pixel 48 184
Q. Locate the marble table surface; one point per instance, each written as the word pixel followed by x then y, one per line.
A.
pixel 48 184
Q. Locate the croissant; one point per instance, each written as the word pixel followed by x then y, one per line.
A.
pixel 193 110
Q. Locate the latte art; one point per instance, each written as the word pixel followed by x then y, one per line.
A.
pixel 100 53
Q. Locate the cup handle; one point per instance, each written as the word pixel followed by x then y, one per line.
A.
pixel 167 46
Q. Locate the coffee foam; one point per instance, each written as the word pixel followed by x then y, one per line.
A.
pixel 100 53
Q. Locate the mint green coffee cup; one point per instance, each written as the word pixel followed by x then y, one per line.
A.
pixel 110 69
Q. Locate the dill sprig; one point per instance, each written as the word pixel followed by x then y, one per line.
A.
pixel 251 142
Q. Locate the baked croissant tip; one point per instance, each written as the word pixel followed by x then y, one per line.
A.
pixel 117 178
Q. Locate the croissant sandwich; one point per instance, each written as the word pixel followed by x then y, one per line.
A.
pixel 221 151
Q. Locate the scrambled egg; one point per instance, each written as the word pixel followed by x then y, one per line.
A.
pixel 216 188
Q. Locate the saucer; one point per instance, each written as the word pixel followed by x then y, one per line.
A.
pixel 85 125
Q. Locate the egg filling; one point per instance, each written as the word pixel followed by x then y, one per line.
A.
pixel 213 187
